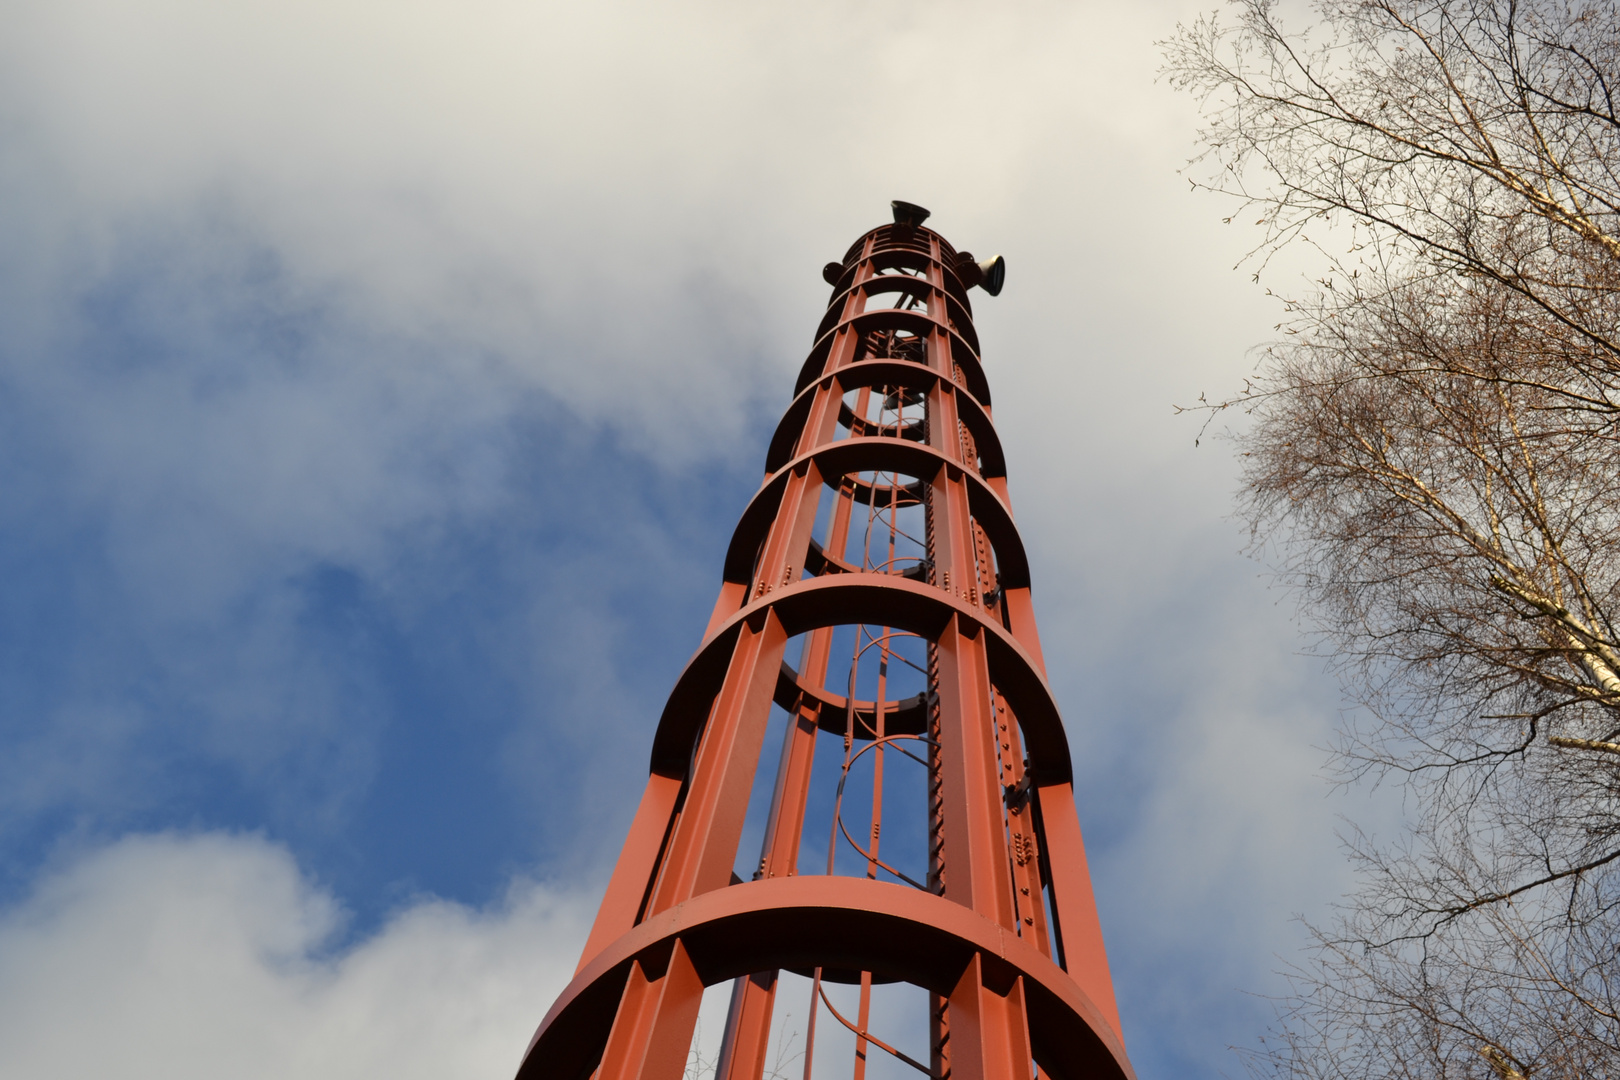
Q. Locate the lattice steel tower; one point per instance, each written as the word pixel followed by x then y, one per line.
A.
pixel 921 880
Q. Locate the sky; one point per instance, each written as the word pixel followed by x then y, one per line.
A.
pixel 379 386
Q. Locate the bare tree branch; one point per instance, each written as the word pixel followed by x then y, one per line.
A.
pixel 1431 462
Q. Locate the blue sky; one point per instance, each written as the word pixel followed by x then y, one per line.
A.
pixel 379 385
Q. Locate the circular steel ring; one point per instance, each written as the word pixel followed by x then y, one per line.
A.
pixel 886 373
pixel 802 922
pixel 879 600
pixel 961 352
pixel 878 453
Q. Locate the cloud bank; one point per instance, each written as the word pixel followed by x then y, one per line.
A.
pixel 379 384
pixel 202 955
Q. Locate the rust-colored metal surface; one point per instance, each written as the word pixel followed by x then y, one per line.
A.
pixel 906 776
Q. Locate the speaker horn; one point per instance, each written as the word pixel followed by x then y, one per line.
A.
pixel 909 215
pixel 992 274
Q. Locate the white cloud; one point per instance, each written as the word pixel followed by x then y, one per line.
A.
pixel 624 201
pixel 622 206
pixel 174 957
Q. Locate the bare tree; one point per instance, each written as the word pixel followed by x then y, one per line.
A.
pixel 1432 460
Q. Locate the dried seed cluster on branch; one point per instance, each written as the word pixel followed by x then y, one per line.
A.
pixel 1433 457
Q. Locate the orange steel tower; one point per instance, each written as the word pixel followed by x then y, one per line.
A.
pixel 908 781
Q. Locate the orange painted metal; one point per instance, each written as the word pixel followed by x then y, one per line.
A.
pixel 889 441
